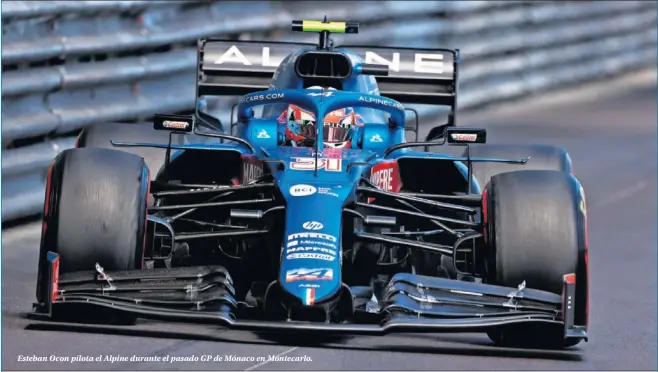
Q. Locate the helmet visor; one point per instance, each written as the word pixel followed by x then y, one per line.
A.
pixel 307 129
pixel 335 133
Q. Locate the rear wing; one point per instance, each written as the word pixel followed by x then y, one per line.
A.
pixel 235 68
pixel 423 76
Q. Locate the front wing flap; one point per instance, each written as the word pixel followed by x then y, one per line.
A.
pixel 205 295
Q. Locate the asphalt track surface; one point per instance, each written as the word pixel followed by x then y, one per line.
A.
pixel 612 141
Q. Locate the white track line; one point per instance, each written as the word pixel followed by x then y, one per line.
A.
pixel 622 194
pixel 267 361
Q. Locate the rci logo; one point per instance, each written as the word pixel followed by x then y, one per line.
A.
pixel 312 225
pixel 302 190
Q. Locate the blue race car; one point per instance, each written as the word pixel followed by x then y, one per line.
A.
pixel 334 225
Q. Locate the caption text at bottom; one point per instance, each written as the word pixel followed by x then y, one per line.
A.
pixel 162 359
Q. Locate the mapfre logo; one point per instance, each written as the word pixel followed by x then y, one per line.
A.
pixel 302 190
pixel 386 176
pixel 312 225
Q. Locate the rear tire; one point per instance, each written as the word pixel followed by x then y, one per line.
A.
pixel 536 232
pixel 542 157
pixel 95 210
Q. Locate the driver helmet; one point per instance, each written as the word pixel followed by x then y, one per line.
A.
pixel 339 126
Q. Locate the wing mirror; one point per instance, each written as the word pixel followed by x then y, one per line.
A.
pixel 210 121
pixel 436 133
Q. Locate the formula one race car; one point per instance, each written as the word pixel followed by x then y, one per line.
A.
pixel 318 216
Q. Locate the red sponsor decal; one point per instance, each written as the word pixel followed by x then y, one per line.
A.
pixel 55 279
pixel 386 176
pixel 252 169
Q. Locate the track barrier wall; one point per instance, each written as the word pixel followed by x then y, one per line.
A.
pixel 69 64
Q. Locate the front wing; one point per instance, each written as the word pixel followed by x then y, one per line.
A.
pixel 205 295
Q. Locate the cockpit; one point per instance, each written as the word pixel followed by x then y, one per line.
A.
pixel 357 73
pixel 340 127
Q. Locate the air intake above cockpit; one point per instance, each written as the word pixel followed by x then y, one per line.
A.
pixel 323 64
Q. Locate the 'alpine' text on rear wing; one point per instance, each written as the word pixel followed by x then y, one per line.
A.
pixel 425 76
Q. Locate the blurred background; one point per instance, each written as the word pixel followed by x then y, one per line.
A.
pixel 68 64
pixel 575 74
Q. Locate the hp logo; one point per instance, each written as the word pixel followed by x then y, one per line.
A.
pixel 312 225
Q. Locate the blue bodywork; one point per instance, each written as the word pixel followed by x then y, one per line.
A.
pixel 315 187
pixel 312 251
pixel 286 78
pixel 317 183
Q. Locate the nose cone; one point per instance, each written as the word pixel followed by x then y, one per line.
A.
pixel 311 259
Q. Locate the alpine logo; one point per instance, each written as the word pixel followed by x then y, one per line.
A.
pixel 272 56
pixel 263 134
pixel 309 274
pixel 422 62
pixel 312 225
pixel 302 190
pixel 376 138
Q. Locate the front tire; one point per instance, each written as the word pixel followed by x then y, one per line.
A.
pixel 95 210
pixel 536 230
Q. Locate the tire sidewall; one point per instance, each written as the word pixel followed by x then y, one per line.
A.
pixel 54 208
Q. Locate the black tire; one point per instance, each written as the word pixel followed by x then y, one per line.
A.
pixel 95 210
pixel 542 157
pixel 536 231
pixel 100 135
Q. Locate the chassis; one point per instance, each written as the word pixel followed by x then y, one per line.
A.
pixel 412 260
pixel 196 237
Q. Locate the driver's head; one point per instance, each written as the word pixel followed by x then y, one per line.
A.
pixel 339 126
